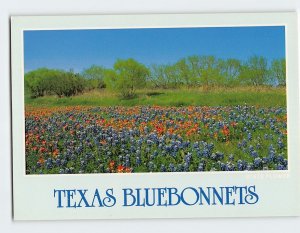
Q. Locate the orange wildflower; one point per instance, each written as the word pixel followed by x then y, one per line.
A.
pixel 42 150
pixel 120 169
pixel 128 170
pixel 225 130
pixel 55 153
pixel 41 160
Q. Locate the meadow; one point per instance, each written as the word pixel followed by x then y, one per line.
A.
pixel 158 130
pixel 258 96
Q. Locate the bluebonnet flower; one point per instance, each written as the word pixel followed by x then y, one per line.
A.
pixel 280 143
pixel 244 143
pixel 254 154
pixel 201 167
pixel 240 165
pixel 219 155
pixel 257 162
pixel 280 167
pixel 249 136
pixel 163 168
pixel 172 167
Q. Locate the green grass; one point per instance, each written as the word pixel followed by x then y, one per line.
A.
pixel 260 96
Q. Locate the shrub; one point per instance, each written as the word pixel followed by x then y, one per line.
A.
pixel 127 76
pixel 47 82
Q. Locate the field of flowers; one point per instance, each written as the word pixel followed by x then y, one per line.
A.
pixel 71 140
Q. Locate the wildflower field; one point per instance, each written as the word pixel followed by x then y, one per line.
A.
pixel 137 100
pixel 151 138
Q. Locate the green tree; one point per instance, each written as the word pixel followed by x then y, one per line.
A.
pixel 127 76
pixel 230 70
pixel 172 75
pixel 206 71
pixel 195 69
pixel 278 72
pixel 255 71
pixel 111 79
pixel 67 84
pixel 39 81
pixel 45 81
pixel 184 72
pixel 95 77
pixel 158 77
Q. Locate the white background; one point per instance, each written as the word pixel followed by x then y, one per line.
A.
pixel 60 7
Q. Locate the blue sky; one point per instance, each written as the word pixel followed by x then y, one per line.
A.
pixel 79 49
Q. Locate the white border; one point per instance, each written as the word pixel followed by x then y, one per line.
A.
pixel 271 185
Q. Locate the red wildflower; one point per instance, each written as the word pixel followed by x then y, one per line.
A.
pixel 120 169
pixel 55 153
pixel 225 130
pixel 42 150
pixel 128 170
pixel 41 160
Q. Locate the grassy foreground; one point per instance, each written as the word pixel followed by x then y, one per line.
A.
pixel 260 96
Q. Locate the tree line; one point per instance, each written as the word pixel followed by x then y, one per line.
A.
pixel 128 75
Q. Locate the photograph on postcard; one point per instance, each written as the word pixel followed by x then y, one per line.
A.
pixel 144 100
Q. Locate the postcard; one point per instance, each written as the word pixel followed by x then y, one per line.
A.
pixel 155 116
